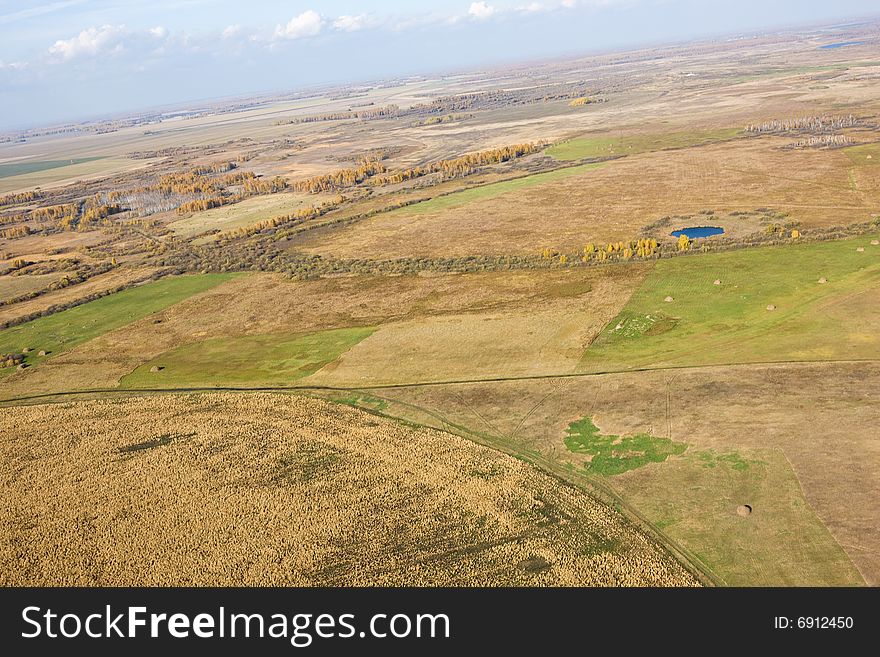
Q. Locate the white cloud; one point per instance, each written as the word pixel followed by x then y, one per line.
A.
pixel 568 4
pixel 481 10
pixel 307 24
pixel 231 31
pixel 159 32
pixel 533 7
pixel 90 42
pixel 12 66
pixel 353 23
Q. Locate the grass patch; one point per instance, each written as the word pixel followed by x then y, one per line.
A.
pixel 581 147
pixel 492 190
pixel 613 455
pixel 69 328
pixel 729 323
pixel 356 400
pixel 23 168
pixel 865 155
pixel 693 499
pixel 271 360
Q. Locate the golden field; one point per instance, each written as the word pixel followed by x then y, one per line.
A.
pixel 257 490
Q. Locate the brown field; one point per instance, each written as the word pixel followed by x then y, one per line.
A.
pixel 417 316
pixel 232 486
pixel 267 490
pixel 38 248
pixel 615 201
pixel 16 286
pixel 808 427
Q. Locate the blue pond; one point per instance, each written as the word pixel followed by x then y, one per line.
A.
pixel 697 232
pixel 842 44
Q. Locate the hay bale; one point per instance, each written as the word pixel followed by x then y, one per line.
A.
pixel 26 350
pixel 717 281
pixel 21 366
pixel 42 352
pixel 155 369
pixel 861 249
pixel 771 307
pixel 875 242
pixel 823 280
pixel 744 510
pixel 668 299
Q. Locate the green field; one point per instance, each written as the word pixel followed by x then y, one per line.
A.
pixel 22 168
pixel 271 360
pixel 864 155
pixel 492 190
pixel 693 498
pixel 581 147
pixel 729 323
pixel 66 329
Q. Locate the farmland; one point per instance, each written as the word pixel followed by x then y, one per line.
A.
pixel 439 329
pixel 707 323
pixel 588 147
pixel 25 168
pixel 63 331
pixel 279 490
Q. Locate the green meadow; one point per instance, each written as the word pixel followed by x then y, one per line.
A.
pixel 705 323
pixel 66 329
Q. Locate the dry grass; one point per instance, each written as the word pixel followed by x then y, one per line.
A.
pixel 809 426
pixel 413 313
pixel 544 334
pixel 280 490
pixel 243 214
pixel 16 286
pixel 615 201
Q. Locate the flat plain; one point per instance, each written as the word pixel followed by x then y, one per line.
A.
pixel 524 377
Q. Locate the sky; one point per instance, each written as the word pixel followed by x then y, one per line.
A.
pixel 63 60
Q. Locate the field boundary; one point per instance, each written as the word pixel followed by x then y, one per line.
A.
pixel 419 384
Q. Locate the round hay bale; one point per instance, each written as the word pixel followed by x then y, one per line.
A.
pixel 771 307
pixel 26 350
pixel 861 249
pixel 42 352
pixel 669 299
pixel 875 242
pixel 21 366
pixel 744 510
pixel 823 280
pixel 717 281
pixel 155 368
pixel 870 157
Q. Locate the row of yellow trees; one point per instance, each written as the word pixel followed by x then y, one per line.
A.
pixel 460 166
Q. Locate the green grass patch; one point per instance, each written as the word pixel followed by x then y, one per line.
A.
pixel 356 400
pixel 613 455
pixel 865 155
pixel 269 359
pixel 69 328
pixel 710 459
pixel 492 190
pixel 22 168
pixel 694 498
pixel 581 147
pixel 709 324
